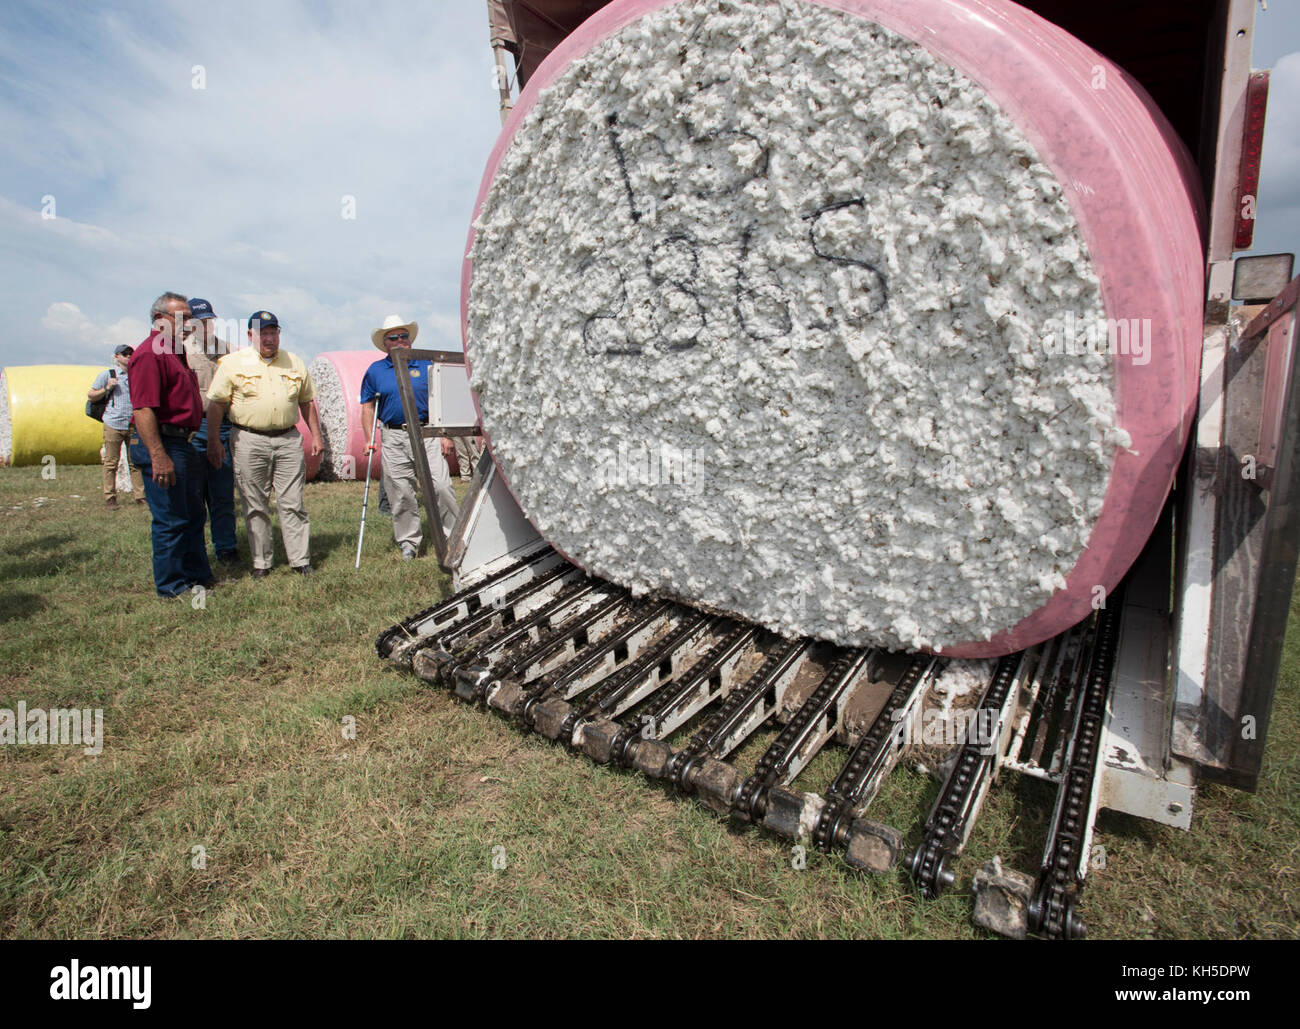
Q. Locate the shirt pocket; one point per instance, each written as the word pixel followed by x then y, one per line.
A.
pixel 247 386
pixel 292 382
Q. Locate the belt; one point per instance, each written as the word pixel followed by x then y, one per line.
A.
pixel 398 425
pixel 174 431
pixel 264 432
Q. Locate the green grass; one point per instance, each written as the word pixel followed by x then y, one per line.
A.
pixel 223 731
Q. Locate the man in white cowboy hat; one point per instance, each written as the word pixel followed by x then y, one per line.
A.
pixel 379 395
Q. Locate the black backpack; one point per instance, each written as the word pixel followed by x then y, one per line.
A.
pixel 95 408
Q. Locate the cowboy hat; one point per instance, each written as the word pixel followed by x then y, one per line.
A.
pixel 390 323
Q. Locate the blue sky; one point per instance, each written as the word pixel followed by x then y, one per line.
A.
pixel 235 191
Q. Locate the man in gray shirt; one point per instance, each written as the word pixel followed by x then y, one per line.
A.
pixel 117 424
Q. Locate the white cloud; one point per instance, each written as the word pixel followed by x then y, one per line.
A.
pixel 84 340
pixel 233 192
pixel 1280 163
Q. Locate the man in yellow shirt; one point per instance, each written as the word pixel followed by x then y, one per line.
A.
pixel 265 389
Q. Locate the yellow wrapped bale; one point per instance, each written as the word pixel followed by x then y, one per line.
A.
pixel 43 411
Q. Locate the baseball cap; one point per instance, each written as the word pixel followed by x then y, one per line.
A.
pixel 200 308
pixel 122 348
pixel 264 320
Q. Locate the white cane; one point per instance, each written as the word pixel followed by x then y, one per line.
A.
pixel 365 501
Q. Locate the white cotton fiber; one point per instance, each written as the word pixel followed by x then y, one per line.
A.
pixel 756 319
pixel 6 422
pixel 333 408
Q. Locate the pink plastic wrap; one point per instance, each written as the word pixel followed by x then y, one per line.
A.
pixel 348 455
pixel 1132 189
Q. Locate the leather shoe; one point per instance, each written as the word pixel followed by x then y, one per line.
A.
pixel 261 573
pixel 305 570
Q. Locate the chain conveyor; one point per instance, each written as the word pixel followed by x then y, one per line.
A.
pixel 676 693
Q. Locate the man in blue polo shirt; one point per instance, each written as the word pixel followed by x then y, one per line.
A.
pixel 379 389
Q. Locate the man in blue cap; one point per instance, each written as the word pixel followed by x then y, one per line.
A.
pixel 203 349
pixel 265 390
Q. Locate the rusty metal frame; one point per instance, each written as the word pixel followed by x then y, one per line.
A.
pixel 417 433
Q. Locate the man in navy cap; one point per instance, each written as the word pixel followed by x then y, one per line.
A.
pixel 203 349
pixel 265 389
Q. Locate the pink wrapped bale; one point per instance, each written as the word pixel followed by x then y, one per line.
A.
pixel 876 321
pixel 337 376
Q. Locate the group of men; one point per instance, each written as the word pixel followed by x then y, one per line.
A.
pixel 198 419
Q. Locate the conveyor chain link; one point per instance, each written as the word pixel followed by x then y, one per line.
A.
pixel 555 682
pixel 471 597
pixel 651 722
pixel 845 795
pixel 579 661
pixel 612 690
pixel 946 827
pixel 1052 910
pixel 551 641
pixel 709 740
pixel 771 767
pixel 502 609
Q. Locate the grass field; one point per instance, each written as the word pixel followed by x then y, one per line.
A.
pixel 223 731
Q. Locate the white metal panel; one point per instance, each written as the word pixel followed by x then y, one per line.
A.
pixel 1193 625
pixel 1134 735
pixel 495 530
pixel 450 403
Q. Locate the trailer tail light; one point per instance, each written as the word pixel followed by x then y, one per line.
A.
pixel 1252 145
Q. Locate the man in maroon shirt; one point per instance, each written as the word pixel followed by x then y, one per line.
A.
pixel 166 411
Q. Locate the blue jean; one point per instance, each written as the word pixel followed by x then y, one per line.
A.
pixel 180 559
pixel 218 490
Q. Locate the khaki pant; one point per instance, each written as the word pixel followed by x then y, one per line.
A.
pixel 401 486
pixel 468 449
pixel 266 463
pixel 114 439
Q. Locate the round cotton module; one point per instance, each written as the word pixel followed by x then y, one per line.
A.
pixel 337 377
pixel 874 321
pixel 43 415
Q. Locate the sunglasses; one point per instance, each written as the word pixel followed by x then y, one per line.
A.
pixel 397 335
